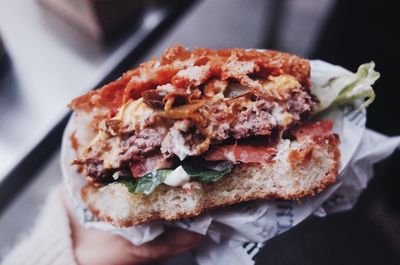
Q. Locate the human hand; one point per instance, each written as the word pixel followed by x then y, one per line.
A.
pixel 92 246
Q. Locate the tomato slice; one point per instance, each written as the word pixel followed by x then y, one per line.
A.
pixel 315 130
pixel 148 164
pixel 245 153
pixel 251 153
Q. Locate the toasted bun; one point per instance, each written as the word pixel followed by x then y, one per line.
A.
pixel 302 169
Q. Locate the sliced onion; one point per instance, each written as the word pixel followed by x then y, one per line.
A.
pixel 235 90
pixel 185 112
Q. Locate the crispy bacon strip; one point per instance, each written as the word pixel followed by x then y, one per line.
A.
pixel 148 164
pixel 316 130
pixel 245 153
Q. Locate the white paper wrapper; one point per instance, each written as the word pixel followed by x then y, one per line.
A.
pixel 235 234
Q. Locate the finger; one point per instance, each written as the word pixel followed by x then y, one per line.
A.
pixel 168 244
pixel 74 224
pixel 92 246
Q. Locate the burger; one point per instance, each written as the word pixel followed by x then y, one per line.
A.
pixel 201 129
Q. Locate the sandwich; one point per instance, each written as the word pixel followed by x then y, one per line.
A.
pixel 201 129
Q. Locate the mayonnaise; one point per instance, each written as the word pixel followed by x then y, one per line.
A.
pixel 178 177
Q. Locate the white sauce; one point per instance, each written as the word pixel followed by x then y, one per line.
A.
pixel 282 117
pixel 178 177
pixel 277 112
pixel 282 155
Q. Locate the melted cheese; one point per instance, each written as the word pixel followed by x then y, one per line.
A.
pixel 134 113
pixel 282 117
pixel 277 86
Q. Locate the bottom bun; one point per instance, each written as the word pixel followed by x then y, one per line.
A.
pixel 299 169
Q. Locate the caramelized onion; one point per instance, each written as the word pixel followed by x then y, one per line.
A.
pixel 187 111
pixel 154 98
pixel 181 97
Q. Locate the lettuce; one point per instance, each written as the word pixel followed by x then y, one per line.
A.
pixel 129 184
pixel 347 88
pixel 147 183
pixel 204 174
pixel 150 181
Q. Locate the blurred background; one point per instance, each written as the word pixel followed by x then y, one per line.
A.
pixel 54 50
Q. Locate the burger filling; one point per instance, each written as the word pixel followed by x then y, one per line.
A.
pixel 194 121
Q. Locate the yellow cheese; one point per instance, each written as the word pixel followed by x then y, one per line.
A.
pixel 277 86
pixel 134 113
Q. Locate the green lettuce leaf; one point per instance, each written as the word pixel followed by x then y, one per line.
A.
pixel 129 184
pixel 150 181
pixel 147 183
pixel 204 174
pixel 346 89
